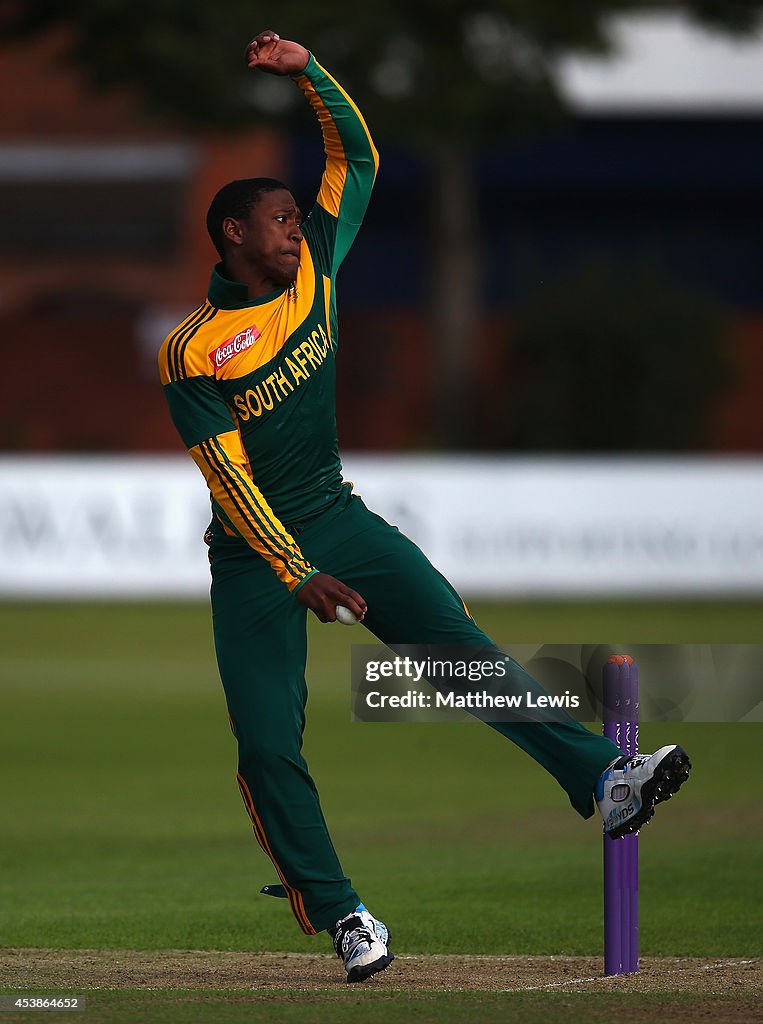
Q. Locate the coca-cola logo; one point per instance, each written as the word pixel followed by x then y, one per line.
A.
pixel 233 346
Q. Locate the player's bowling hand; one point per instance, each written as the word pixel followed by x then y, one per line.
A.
pixel 322 593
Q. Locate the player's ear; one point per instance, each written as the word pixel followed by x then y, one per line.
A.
pixel 233 230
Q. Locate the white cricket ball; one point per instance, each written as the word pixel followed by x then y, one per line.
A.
pixel 345 616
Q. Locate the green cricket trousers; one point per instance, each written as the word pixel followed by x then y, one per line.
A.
pixel 261 643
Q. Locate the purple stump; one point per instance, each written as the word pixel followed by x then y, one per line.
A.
pixel 620 700
pixel 630 962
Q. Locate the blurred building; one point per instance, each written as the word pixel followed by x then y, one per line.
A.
pixel 103 249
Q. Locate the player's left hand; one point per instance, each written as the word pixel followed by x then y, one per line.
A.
pixel 268 52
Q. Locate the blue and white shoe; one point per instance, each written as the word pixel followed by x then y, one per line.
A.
pixel 361 943
pixel 630 788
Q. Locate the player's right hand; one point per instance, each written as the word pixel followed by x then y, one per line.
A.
pixel 322 593
pixel 268 52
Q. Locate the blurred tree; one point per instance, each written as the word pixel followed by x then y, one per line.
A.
pixel 439 75
pixel 614 359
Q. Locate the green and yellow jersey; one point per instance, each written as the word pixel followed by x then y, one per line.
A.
pixel 251 382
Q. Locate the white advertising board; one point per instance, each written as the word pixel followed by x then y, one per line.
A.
pixel 132 526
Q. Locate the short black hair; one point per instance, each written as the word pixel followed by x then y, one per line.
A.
pixel 236 200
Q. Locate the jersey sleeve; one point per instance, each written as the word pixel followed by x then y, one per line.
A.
pixel 351 165
pixel 207 428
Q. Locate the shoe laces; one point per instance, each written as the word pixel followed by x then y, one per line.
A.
pixel 350 931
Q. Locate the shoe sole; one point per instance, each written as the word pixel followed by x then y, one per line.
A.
pixel 669 776
pixel 368 970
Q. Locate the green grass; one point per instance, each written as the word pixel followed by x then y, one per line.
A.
pixel 375 1007
pixel 123 828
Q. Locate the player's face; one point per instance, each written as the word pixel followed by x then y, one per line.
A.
pixel 272 237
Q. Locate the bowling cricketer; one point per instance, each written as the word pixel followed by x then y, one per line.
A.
pixel 250 380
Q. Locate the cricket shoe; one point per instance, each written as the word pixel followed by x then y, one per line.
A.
pixel 630 788
pixel 361 944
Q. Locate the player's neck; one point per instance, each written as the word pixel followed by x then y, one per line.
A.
pixel 256 281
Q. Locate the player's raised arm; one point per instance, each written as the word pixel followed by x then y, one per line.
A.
pixel 351 157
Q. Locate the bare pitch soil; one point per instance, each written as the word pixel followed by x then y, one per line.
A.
pixel 88 969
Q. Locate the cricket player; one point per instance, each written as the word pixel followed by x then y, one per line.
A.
pixel 250 379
